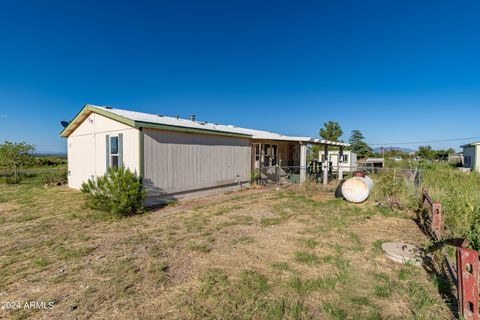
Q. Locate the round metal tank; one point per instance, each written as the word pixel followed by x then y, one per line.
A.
pixel 355 190
pixel 369 182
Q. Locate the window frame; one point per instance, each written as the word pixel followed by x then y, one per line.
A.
pixel 116 154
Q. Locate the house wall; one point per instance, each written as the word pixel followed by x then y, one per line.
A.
pixel 87 148
pixel 470 157
pixel 177 162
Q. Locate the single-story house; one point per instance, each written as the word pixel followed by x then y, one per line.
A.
pixel 175 156
pixel 347 160
pixel 471 156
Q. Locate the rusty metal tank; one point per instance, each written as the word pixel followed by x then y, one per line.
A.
pixel 359 174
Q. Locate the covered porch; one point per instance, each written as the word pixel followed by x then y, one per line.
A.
pixel 285 161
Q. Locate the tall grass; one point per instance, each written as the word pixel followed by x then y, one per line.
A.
pixel 458 192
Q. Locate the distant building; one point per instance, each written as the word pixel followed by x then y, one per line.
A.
pixel 373 164
pixel 348 160
pixel 471 156
pixel 456 158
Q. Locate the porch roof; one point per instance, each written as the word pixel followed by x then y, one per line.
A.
pixel 303 140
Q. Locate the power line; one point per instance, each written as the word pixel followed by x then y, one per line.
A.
pixel 425 141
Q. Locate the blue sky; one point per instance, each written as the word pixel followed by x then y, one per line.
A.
pixel 397 70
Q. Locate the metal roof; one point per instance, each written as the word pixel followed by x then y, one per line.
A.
pixel 470 144
pixel 141 119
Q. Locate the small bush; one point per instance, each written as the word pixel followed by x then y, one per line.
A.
pixel 394 189
pixel 119 192
pixel 55 178
pixel 254 176
pixel 10 179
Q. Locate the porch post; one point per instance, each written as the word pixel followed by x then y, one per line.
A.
pixel 325 166
pixel 303 162
pixel 340 161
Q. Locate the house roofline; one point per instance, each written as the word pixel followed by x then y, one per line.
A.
pixel 89 109
pixel 104 111
pixel 472 144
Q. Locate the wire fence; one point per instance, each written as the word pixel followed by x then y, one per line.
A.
pixel 319 173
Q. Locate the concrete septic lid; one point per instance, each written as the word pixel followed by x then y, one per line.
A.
pixel 402 253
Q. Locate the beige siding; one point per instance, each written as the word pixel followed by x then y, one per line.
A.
pixel 177 162
pixel 86 148
pixel 81 159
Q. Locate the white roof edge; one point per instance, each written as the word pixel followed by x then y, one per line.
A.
pixel 471 144
pixel 333 143
pixel 185 123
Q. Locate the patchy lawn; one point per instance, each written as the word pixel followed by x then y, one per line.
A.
pixel 287 254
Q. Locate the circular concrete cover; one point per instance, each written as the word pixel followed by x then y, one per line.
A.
pixel 402 253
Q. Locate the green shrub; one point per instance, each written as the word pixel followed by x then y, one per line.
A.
pixel 394 188
pixel 119 192
pixel 55 178
pixel 10 179
pixel 254 176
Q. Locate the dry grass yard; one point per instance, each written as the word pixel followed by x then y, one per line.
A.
pixel 294 253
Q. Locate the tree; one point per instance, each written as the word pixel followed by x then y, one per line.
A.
pixel 358 144
pixel 331 131
pixel 15 155
pixel 426 152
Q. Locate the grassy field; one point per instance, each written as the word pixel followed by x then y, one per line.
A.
pixel 294 253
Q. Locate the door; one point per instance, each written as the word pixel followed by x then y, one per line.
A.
pixel 257 155
pixel 334 159
pixel 270 155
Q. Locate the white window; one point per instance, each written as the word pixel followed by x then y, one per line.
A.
pixel 114 152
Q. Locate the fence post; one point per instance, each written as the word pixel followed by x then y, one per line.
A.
pixel 437 219
pixel 303 162
pixel 325 172
pixel 277 171
pixel 467 287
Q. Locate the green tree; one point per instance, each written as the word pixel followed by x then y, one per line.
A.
pixel 426 152
pixel 15 155
pixel 358 144
pixel 331 131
